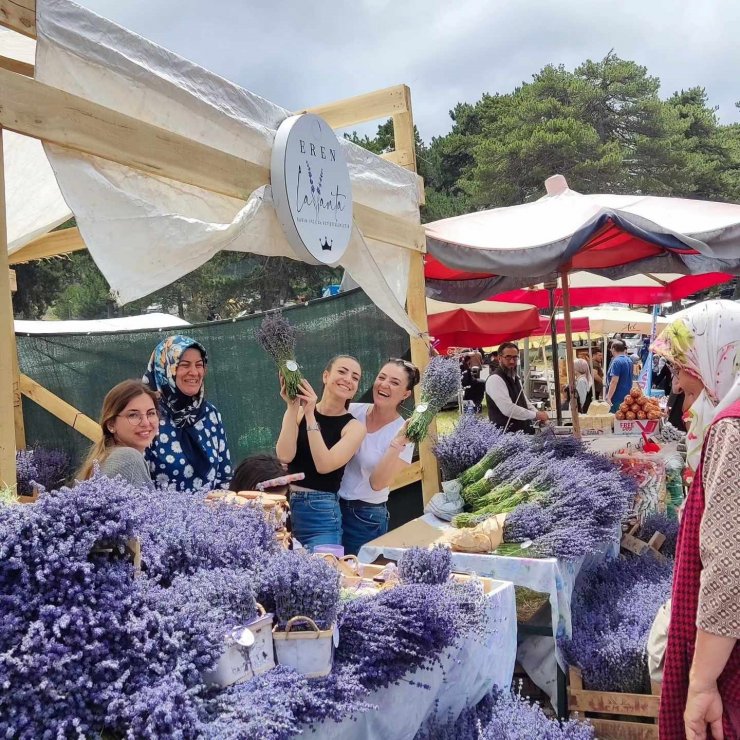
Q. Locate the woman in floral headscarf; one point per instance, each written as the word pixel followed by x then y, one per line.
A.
pixel 701 678
pixel 191 451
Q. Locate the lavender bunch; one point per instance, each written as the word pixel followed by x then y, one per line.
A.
pixel 41 467
pixel 466 445
pixel 562 446
pixel 397 631
pixel 177 533
pixel 613 608
pixel 504 446
pixel 278 704
pixel 78 643
pixel 419 565
pixel 277 337
pixel 503 715
pixel 527 522
pixel 297 584
pixel 440 382
pixel 657 522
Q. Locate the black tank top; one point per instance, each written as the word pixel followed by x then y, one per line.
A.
pixel 331 431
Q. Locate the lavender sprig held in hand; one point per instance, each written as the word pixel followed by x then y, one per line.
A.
pixel 439 383
pixel 277 337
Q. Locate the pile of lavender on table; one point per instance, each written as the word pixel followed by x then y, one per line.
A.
pixel 559 499
pixel 41 467
pixel 88 649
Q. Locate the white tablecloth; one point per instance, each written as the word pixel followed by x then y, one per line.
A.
pixel 467 674
pixel 539 656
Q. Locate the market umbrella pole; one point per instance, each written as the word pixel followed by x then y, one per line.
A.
pixel 569 354
pixel 554 339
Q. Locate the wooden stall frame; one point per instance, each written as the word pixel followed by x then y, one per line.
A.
pixel 33 109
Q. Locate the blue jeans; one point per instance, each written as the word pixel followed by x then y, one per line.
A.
pixel 316 518
pixel 361 523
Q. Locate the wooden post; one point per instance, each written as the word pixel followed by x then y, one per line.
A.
pixel 551 286
pixel 416 302
pixel 569 354
pixel 7 346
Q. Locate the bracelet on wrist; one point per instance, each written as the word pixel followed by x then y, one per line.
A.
pixel 313 427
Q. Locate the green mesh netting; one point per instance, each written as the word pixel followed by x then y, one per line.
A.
pixel 241 381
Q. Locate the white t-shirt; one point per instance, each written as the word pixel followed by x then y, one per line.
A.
pixel 356 480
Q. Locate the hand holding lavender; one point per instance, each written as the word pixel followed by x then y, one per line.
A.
pixel 277 337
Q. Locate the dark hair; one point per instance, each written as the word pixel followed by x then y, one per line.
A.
pixel 619 345
pixel 507 345
pixel 256 469
pixel 412 372
pixel 330 365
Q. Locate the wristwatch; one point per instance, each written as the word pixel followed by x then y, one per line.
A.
pixel 313 427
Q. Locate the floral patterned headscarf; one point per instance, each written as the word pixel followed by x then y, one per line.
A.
pixel 704 340
pixel 183 410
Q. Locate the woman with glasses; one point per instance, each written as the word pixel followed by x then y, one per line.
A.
pixel 191 451
pixel 384 452
pixel 129 422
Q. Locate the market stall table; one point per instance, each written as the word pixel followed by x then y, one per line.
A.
pixel 539 654
pixel 464 675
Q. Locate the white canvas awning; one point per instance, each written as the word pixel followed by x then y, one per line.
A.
pixel 144 231
pixel 100 326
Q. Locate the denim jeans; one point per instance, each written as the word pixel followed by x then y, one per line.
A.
pixel 316 518
pixel 360 524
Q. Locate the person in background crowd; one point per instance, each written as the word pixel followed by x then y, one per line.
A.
pixel 508 407
pixel 663 378
pixel 129 422
pixel 598 362
pixel 191 451
pixel 473 387
pixel 493 363
pixel 318 438
pixel 674 408
pixel 701 677
pixel 383 454
pixel 619 377
pixel 584 395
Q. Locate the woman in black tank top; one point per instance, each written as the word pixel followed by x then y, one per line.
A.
pixel 318 438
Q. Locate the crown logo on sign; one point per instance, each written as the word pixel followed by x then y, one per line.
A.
pixel 327 245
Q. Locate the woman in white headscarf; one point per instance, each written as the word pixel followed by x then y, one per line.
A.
pixel 701 678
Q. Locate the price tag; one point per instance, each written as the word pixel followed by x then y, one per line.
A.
pixel 421 408
pixel 245 638
pixel 488 475
pixel 526 544
pixel 335 636
pixel 292 365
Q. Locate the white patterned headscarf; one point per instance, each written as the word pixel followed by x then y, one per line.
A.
pixel 704 340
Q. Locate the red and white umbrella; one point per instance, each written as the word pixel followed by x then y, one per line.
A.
pixel 482 324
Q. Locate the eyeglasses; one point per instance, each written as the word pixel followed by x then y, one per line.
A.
pixel 510 357
pixel 135 418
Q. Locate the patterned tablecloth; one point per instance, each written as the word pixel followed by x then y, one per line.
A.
pixel 539 656
pixel 467 673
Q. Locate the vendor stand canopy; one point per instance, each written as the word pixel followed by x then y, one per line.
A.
pixel 588 289
pixel 482 324
pixel 164 164
pixel 96 326
pixel 487 253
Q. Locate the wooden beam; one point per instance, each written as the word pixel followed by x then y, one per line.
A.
pixel 362 108
pixel 16 65
pixel 19 423
pixel 49 245
pixel 7 346
pixel 402 159
pixel 410 474
pixel 19 15
pixel 60 408
pixel 31 108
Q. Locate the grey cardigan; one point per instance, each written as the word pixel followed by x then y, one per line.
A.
pixel 129 464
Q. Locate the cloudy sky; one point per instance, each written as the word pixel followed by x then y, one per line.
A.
pixel 299 54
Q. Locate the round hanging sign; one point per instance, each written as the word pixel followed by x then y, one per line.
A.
pixel 311 189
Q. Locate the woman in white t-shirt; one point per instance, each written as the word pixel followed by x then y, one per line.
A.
pixel 384 452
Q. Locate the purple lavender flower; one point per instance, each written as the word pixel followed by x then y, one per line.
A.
pixel 422 565
pixel 667 526
pixel 613 606
pixel 40 467
pixel 466 445
pixel 277 336
pixel 440 382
